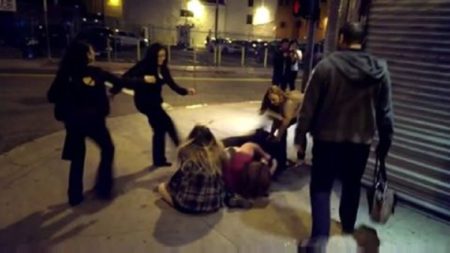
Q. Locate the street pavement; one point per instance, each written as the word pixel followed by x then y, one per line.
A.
pixel 34 215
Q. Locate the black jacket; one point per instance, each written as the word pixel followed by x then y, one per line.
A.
pixel 147 96
pixel 76 99
pixel 347 99
pixel 281 68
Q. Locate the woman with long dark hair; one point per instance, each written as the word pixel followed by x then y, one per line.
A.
pixel 151 74
pixel 81 103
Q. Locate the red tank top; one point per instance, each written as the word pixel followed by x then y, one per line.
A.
pixel 234 169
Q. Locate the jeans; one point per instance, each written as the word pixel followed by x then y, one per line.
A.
pixel 344 161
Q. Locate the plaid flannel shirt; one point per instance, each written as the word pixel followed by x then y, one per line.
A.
pixel 194 190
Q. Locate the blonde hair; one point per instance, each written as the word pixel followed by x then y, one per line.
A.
pixel 202 149
pixel 266 104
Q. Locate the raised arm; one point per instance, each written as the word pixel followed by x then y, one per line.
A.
pixel 172 84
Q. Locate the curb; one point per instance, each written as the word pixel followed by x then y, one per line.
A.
pixel 51 68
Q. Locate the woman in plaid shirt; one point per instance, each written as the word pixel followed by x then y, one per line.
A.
pixel 197 186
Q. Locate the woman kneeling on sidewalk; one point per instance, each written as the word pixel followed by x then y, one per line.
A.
pixel 282 108
pixel 197 186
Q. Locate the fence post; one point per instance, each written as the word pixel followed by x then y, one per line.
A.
pixel 169 53
pixel 138 50
pixel 195 54
pixel 220 55
pixel 215 54
pixel 115 50
pixel 266 53
pixel 243 56
pixel 108 48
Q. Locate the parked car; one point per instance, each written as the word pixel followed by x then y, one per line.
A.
pixel 128 39
pixel 228 46
pixel 98 37
pixel 271 46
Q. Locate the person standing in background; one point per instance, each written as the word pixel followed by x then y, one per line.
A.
pixel 295 57
pixel 281 64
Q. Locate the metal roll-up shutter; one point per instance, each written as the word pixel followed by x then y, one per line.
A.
pixel 414 37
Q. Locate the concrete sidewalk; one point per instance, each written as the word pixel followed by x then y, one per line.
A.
pixel 46 66
pixel 35 217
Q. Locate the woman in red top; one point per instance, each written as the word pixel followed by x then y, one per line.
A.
pixel 247 173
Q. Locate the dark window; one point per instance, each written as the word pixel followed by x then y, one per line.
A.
pixel 250 3
pixel 249 19
pixel 282 24
pixel 214 1
pixel 298 24
pixel 280 2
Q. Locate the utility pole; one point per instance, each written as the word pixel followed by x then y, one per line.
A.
pixel 49 53
pixel 332 27
pixel 216 33
pixel 307 66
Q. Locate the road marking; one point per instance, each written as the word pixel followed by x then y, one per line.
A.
pixel 179 78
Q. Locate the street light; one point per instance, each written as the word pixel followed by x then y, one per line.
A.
pixel 262 16
pixel 114 3
pixel 196 7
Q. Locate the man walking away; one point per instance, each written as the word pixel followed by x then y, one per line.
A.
pixel 349 93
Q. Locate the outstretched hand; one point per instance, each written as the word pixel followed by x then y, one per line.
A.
pixel 300 153
pixel 191 91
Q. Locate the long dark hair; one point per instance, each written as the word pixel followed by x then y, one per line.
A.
pixel 255 180
pixel 72 65
pixel 148 65
pixel 75 59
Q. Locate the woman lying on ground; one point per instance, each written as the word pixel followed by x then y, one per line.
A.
pixel 247 174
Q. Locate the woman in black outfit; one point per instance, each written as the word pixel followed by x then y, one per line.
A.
pixel 150 75
pixel 82 104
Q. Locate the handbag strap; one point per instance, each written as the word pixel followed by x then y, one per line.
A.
pixel 383 173
pixel 379 172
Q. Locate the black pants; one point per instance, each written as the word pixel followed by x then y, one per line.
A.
pixel 277 150
pixel 291 77
pixel 161 124
pixel 75 150
pixel 331 160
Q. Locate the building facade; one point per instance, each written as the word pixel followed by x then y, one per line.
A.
pixel 288 26
pixel 238 19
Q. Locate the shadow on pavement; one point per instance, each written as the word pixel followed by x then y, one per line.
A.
pixel 60 222
pixel 177 229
